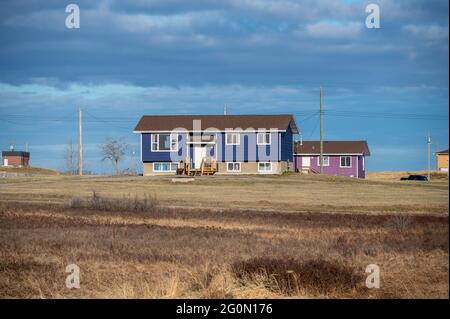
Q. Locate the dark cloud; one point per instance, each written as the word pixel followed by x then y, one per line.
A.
pixel 200 42
pixel 192 56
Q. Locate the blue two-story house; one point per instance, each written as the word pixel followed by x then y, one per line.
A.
pixel 239 144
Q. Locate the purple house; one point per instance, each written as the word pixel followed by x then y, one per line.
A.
pixel 340 158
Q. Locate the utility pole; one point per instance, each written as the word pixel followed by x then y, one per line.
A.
pixel 321 132
pixel 80 146
pixel 429 154
pixel 436 149
pixel 225 109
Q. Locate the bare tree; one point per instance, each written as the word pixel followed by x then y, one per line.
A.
pixel 71 158
pixel 114 150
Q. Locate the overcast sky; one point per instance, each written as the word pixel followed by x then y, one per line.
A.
pixel 388 86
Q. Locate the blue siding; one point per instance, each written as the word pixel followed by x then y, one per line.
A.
pixel 149 156
pixel 281 149
pixel 248 150
pixel 287 146
pixel 246 145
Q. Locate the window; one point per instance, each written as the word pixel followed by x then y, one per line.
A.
pixel 232 138
pixel 326 161
pixel 165 167
pixel 233 167
pixel 346 161
pixel 164 142
pixel 263 138
pixel 264 167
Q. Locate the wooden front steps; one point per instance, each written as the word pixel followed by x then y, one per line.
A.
pixel 208 166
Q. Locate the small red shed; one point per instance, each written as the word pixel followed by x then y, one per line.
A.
pixel 15 158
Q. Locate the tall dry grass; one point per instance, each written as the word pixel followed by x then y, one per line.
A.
pixel 196 253
pixel 145 204
pixel 288 276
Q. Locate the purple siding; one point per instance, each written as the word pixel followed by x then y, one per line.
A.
pixel 334 169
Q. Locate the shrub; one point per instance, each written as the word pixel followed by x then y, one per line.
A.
pixel 401 223
pixel 147 203
pixel 288 276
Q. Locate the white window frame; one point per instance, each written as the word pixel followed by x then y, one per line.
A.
pixel 233 170
pixel 263 143
pixel 324 164
pixel 264 170
pixel 340 162
pixel 173 137
pixel 238 138
pixel 165 171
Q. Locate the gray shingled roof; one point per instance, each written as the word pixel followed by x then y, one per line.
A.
pixel 332 147
pixel 220 122
pixel 16 153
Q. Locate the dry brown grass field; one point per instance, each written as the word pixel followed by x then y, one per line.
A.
pixel 221 237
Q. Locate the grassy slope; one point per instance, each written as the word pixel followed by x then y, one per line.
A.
pixel 174 253
pixel 396 175
pixel 277 193
pixel 29 170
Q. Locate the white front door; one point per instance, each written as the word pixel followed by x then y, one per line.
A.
pixel 306 161
pixel 5 162
pixel 199 154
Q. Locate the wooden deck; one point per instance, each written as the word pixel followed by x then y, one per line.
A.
pixel 208 166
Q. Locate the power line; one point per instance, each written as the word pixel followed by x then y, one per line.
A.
pixel 314 129
pixel 386 115
pixel 32 120
pixel 105 121
pixel 308 117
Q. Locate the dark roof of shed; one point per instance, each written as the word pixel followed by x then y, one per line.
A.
pixel 332 147
pixel 220 122
pixel 443 152
pixel 16 153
